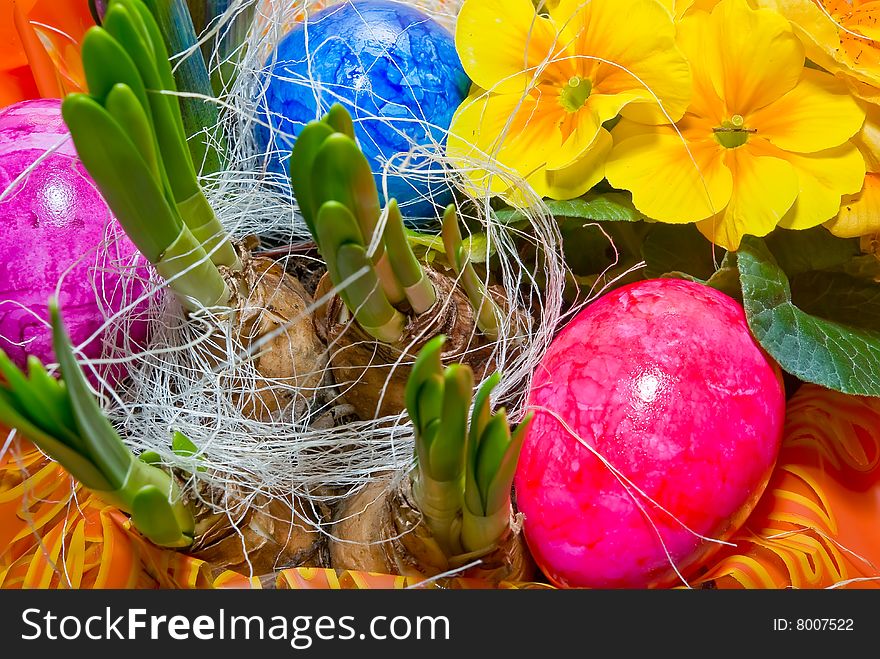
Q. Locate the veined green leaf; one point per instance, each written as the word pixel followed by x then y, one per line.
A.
pixel 806 250
pixel 815 350
pixel 678 248
pixel 839 298
pixel 598 207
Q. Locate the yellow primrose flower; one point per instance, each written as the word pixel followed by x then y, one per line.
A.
pixel 765 141
pixel 545 84
pixel 841 36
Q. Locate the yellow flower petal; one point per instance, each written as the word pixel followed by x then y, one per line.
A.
pixel 521 134
pixel 677 8
pixel 695 39
pixel 579 177
pixel 669 183
pixel 823 179
pixel 859 213
pixel 764 188
pixel 818 114
pixel 583 127
pixel 502 43
pixel 757 58
pixel 868 140
pixel 643 57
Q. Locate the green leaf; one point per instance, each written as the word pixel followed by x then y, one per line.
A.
pixel 862 267
pixel 128 26
pixel 815 350
pixel 107 64
pixel 43 404
pixel 802 251
pixel 838 297
pixel 151 458
pixel 426 365
pixel 342 173
pixel 476 246
pixel 104 448
pixel 52 390
pixel 498 493
pixel 122 175
pixel 152 515
pixel 480 418
pixel 123 106
pixel 447 450
pixel 302 164
pixel 678 248
pixel 334 227
pixel 339 120
pixel 429 410
pixel 406 268
pixel 598 207
pixel 183 445
pixel 364 295
pixel 200 118
pixel 493 445
pixel 77 465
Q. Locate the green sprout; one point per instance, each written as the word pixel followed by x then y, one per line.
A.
pixel 64 420
pixel 328 170
pixel 487 311
pixel 200 118
pixel 129 135
pixel 465 467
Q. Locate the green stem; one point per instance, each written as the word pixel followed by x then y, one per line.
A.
pixel 191 274
pixel 487 311
pixel 416 286
pixel 199 216
pixel 480 533
pixel 440 504
pixel 374 314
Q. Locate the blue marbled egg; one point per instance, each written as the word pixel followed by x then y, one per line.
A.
pixel 395 70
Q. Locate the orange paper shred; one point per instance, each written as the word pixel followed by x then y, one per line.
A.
pixel 815 527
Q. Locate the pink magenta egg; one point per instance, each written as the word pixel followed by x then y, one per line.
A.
pixel 664 381
pixel 55 227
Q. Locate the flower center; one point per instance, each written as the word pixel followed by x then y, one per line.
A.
pixel 575 94
pixel 732 132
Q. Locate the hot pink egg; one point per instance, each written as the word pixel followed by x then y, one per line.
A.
pixel 57 237
pixel 674 419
